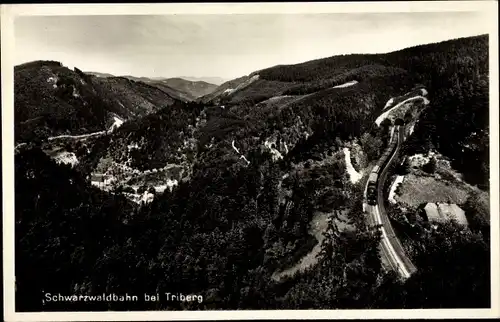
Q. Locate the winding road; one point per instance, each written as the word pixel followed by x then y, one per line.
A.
pixel 391 248
pixel 77 137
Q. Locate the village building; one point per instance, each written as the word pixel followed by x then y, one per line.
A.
pixel 98 177
pixel 442 212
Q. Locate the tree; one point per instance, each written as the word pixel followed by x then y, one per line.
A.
pixel 430 167
pixel 404 168
pixel 408 116
pixel 371 145
pixel 386 123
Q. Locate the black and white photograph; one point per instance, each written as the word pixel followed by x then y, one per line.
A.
pixel 242 160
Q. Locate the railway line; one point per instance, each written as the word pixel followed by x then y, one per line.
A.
pixel 390 245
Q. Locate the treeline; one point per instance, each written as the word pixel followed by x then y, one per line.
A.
pixel 37 64
pixel 319 69
pixel 258 91
pixel 358 74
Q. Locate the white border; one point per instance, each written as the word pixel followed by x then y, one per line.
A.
pixel 7 39
pixel 249 8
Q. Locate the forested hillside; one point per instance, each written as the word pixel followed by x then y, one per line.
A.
pixel 194 89
pixel 161 137
pixel 455 73
pixel 50 99
pixel 264 159
pixel 221 236
pixel 158 83
pixel 181 89
pixel 223 89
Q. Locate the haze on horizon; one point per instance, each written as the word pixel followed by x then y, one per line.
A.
pixel 225 46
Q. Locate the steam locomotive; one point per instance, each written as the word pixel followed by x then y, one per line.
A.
pixel 373 178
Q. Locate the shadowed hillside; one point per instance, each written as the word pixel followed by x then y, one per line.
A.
pixel 50 99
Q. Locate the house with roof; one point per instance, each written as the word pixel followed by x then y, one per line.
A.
pixel 442 212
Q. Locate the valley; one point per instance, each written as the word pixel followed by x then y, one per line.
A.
pixel 256 192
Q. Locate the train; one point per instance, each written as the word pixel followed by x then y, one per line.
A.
pixel 393 248
pixel 371 193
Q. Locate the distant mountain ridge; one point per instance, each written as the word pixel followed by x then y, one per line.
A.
pixel 183 89
pixel 160 84
pixel 188 90
pixel 194 88
pixel 210 80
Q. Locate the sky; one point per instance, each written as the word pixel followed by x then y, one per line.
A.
pixel 225 45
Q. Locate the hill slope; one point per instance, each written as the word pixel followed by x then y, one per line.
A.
pixel 454 72
pixel 263 154
pixel 211 80
pixel 186 90
pixel 100 74
pixel 194 88
pixel 160 84
pixel 309 105
pixel 50 99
